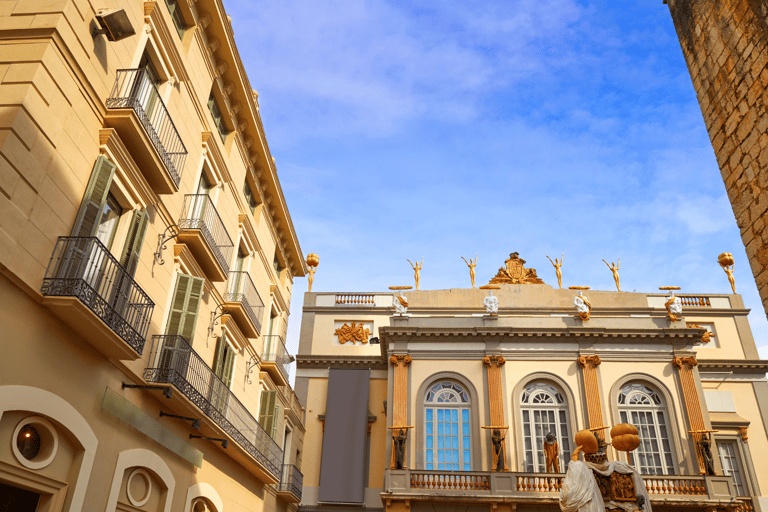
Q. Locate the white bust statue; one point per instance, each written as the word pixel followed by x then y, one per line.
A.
pixel 491 303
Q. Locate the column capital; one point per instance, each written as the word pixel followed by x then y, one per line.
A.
pixel 491 361
pixel 583 360
pixel 397 358
pixel 678 362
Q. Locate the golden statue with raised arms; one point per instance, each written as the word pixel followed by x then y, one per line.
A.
pixel 615 269
pixel 417 270
pixel 557 266
pixel 471 264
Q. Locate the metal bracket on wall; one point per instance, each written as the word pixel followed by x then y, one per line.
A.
pixel 163 239
pixel 249 366
pixel 215 317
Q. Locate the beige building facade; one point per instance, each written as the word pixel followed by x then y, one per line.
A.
pixel 147 258
pixel 448 371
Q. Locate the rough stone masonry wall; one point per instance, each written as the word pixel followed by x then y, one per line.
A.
pixel 725 44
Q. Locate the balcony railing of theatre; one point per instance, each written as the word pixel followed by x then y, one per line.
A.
pixel 275 352
pixel 135 89
pixel 241 289
pixel 173 361
pixel 291 480
pixel 83 267
pixel 199 213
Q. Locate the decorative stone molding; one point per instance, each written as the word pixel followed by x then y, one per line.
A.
pixel 696 424
pixel 589 366
pixel 584 360
pixel 496 403
pixel 679 361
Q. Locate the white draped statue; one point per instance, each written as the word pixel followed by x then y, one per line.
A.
pixel 580 492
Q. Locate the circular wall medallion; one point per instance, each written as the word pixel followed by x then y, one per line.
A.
pixel 139 487
pixel 34 442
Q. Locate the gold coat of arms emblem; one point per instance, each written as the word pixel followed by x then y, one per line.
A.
pixel 514 272
pixel 353 333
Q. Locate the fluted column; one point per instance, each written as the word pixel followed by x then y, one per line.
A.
pixel 399 395
pixel 696 424
pixel 589 366
pixel 496 400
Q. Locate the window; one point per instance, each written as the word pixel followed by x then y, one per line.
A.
pixel 731 462
pixel 544 410
pixel 218 119
pixel 223 366
pixel 268 412
pixel 643 407
pixel 276 264
pixel 250 197
pixel 111 212
pixel 446 415
pixel 177 17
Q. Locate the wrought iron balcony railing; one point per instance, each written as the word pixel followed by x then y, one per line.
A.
pixel 275 352
pixel 83 267
pixel 173 361
pixel 242 290
pixel 199 213
pixel 135 89
pixel 291 480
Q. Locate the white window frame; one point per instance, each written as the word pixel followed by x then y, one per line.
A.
pixel 458 400
pixel 541 397
pixel 635 400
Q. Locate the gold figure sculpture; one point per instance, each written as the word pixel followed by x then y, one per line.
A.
pixel 417 271
pixel 471 264
pixel 615 269
pixel 726 261
pixel 313 260
pixel 353 333
pixel 551 453
pixel 514 272
pixel 559 272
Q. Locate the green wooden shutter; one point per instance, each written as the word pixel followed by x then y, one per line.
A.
pixel 267 412
pixel 132 249
pixel 92 205
pixel 184 306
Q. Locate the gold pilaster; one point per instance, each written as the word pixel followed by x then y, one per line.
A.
pixel 399 394
pixel 496 399
pixel 696 425
pixel 589 366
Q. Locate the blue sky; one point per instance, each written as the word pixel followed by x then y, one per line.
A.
pixel 442 129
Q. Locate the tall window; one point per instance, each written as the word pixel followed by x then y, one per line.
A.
pixel 729 458
pixel 544 411
pixel 218 119
pixel 643 407
pixel 177 17
pixel 250 197
pixel 446 414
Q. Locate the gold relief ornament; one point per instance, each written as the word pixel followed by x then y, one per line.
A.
pixel 471 264
pixel 674 305
pixel 615 270
pixel 514 272
pixel 706 337
pixel 726 261
pixel 353 333
pixel 313 260
pixel 678 362
pixel 581 302
pixel 558 265
pixel 416 270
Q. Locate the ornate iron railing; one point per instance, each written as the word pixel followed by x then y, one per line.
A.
pixel 199 213
pixel 83 267
pixel 291 480
pixel 275 352
pixel 173 361
pixel 135 89
pixel 242 290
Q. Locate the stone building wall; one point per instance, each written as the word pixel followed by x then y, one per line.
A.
pixel 725 44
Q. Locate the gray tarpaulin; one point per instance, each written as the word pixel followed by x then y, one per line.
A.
pixel 342 477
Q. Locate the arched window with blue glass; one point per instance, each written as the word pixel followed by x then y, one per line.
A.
pixel 446 420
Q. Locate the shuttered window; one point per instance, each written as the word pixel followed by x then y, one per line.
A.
pixel 268 412
pixel 94 199
pixel 250 197
pixel 184 307
pixel 218 119
pixel 223 366
pixel 132 248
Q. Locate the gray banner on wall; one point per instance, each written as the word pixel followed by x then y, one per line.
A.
pixel 342 478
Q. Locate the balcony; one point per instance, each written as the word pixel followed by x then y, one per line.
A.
pixel 202 229
pixel 276 359
pixel 137 112
pixel 173 361
pixel 244 303
pixel 289 488
pixel 87 288
pixel 543 489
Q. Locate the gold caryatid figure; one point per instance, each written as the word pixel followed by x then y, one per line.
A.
pixel 417 271
pixel 726 261
pixel 615 269
pixel 313 260
pixel 559 272
pixel 514 272
pixel 471 264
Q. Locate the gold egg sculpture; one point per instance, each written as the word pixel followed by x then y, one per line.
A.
pixel 725 259
pixel 624 437
pixel 313 259
pixel 587 440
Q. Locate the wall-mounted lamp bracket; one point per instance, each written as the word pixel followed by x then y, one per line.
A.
pixel 167 390
pixel 164 239
pixel 195 421
pixel 215 315
pixel 249 366
pixel 224 442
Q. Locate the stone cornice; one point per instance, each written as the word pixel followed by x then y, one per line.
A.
pixel 735 366
pixel 349 362
pixel 395 333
